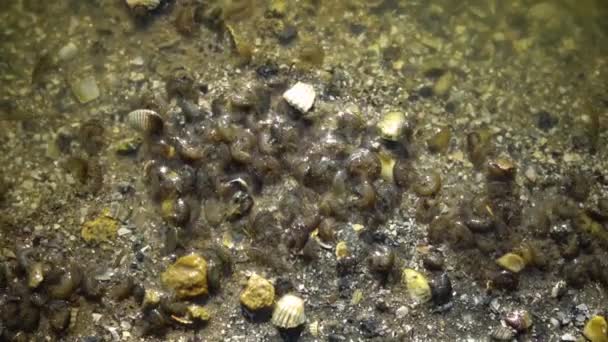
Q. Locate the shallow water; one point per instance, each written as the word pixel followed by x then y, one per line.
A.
pixel 501 150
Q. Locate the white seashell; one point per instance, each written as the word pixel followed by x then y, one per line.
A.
pixel 301 96
pixel 148 4
pixel 289 312
pixel 145 120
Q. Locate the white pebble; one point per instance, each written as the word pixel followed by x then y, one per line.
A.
pixel 301 96
pixel 402 312
pixel 67 52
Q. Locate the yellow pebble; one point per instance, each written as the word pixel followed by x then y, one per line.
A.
pixel 187 276
pixel 342 250
pixel 511 262
pixel 417 285
pixel 258 295
pixel 596 329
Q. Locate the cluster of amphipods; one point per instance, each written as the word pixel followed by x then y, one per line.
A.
pixel 223 158
pixel 221 165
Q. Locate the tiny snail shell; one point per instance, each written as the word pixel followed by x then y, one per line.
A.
pixel 146 121
pixel 289 312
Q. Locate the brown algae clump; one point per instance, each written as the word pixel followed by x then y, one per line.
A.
pixel 187 276
pixel 101 229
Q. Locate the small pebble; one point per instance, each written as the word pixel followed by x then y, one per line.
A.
pixel 287 35
pixel 402 312
pixel 568 337
pixel 545 120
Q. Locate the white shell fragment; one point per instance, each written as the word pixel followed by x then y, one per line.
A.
pixel 289 312
pixel 391 125
pixel 301 96
pixel 148 4
pixel 145 120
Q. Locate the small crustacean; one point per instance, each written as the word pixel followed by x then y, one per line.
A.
pixel 441 290
pixel 520 320
pixel 502 169
pixel 289 312
pixel 381 259
pixel 364 163
pixel 146 121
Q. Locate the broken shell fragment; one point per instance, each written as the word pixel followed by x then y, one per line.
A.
pixel 596 329
pixel 35 275
pixel 151 298
pixel 502 333
pixel 198 313
pixel 301 96
pixel 387 163
pixel 147 4
pixel 511 262
pixel 289 312
pixel 417 285
pixel 391 126
pixel 193 314
pixel 145 121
